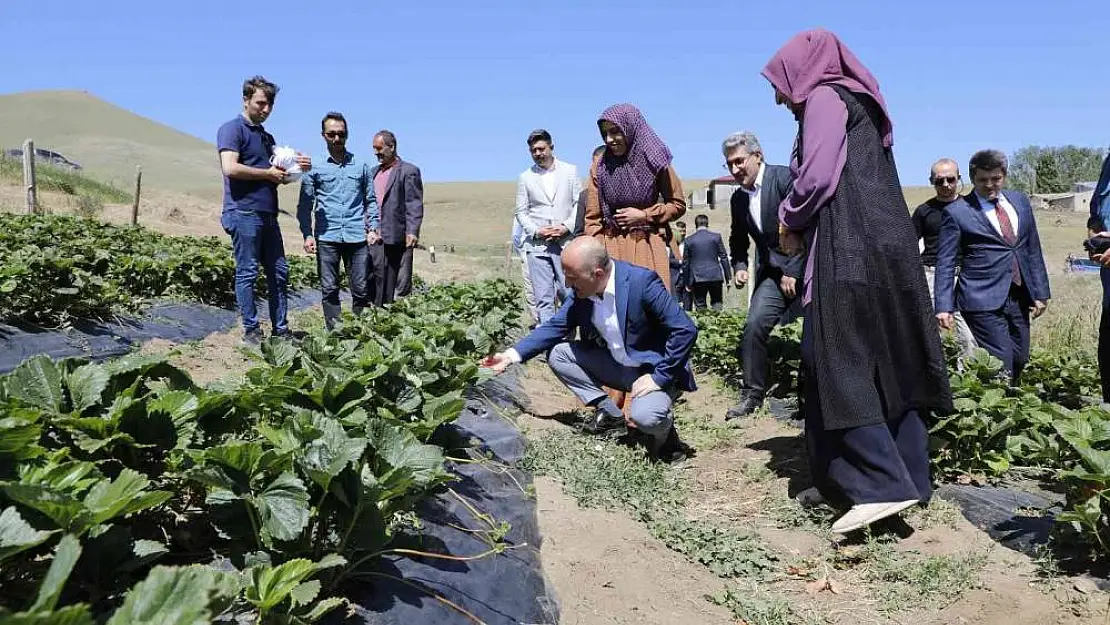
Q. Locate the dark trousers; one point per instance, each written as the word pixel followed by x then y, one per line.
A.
pixel 392 266
pixel 355 259
pixel 712 289
pixel 1104 336
pixel 256 240
pixel 768 308
pixel 1004 333
pixel 885 462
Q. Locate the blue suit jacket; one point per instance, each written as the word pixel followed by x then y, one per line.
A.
pixel 985 274
pixel 658 334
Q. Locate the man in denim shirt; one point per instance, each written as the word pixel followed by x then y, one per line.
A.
pixel 340 194
pixel 251 205
pixel 1099 223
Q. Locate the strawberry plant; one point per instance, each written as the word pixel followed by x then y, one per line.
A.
pixel 128 494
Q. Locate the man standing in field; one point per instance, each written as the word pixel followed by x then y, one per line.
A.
pixel 1003 279
pixel 251 206
pixel 400 194
pixel 340 194
pixel 546 207
pixel 705 266
pixel 927 218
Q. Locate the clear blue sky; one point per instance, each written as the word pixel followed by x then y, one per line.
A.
pixel 462 83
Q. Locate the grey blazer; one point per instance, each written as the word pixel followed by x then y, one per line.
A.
pixel 402 205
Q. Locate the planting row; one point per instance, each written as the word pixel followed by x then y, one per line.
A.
pixel 57 267
pixel 130 494
pixel 1051 427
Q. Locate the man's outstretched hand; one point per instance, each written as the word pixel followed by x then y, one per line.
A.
pixel 497 362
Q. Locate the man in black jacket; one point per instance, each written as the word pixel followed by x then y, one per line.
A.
pixel 777 278
pixel 705 265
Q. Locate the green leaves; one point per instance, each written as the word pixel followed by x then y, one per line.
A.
pixel 17 535
pixel 282 508
pixel 191 595
pixel 37 382
pixel 268 587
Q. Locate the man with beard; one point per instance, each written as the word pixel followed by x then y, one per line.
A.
pixel 340 195
pixel 400 194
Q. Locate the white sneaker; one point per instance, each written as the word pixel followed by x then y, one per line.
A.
pixel 864 514
pixel 810 497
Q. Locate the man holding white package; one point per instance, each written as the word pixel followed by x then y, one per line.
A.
pixel 251 178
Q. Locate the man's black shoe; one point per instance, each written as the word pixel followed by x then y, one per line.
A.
pixel 602 422
pixel 253 338
pixel 746 406
pixel 673 449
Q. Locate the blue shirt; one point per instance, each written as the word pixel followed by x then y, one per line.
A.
pixel 255 147
pixel 341 195
pixel 1100 200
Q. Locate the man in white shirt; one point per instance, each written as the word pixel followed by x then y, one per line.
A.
pixel 547 209
pixel 774 276
pixel 637 339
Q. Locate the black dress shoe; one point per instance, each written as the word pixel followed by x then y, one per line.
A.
pixel 602 423
pixel 673 449
pixel 746 406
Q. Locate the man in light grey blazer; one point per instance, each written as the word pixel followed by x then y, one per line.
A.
pixel 547 207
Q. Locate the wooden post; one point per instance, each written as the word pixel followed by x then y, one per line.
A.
pixel 29 176
pixel 138 192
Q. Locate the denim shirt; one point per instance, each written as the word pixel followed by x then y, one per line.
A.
pixel 1100 200
pixel 341 196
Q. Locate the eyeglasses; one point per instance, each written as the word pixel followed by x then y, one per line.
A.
pixel 335 135
pixel 939 180
pixel 736 163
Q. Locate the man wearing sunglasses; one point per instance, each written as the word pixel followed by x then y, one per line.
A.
pixel 340 195
pixel 927 218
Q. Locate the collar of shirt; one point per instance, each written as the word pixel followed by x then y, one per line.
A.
pixel 348 159
pixel 986 204
pixel 758 181
pixel 610 286
pixel 541 171
pixel 247 122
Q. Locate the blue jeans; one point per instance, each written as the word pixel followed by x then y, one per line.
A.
pixel 256 237
pixel 356 261
pixel 545 268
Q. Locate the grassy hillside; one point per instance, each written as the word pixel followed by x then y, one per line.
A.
pixel 109 141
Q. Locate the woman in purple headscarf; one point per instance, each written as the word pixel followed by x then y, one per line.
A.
pixel 634 193
pixel 871 356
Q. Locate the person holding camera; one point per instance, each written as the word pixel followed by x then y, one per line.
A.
pixel 1003 279
pixel 1098 247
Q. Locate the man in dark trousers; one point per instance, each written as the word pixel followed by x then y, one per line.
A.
pixel 705 265
pixel 400 194
pixel 777 277
pixel 1003 280
pixel 1099 224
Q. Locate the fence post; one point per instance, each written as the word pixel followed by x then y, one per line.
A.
pixel 29 176
pixel 138 192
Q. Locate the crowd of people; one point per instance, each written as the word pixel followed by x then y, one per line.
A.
pixel 610 272
pixel 365 216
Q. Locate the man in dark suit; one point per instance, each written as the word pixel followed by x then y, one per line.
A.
pixel 777 277
pixel 644 345
pixel 400 194
pixel 1003 279
pixel 705 266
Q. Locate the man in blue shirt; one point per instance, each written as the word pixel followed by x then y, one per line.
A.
pixel 251 205
pixel 341 195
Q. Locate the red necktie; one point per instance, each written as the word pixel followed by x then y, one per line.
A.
pixel 1008 234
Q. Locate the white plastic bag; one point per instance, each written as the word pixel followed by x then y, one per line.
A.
pixel 285 158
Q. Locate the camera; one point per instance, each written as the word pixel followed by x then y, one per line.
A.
pixel 1097 244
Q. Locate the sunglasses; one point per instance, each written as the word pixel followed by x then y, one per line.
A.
pixel 335 135
pixel 945 180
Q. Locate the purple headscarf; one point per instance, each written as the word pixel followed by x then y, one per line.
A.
pixel 817 57
pixel 629 180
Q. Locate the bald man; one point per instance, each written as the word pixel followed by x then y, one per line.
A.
pixel 642 345
pixel 944 175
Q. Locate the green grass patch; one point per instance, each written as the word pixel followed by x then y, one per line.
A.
pixel 51 178
pixel 753 605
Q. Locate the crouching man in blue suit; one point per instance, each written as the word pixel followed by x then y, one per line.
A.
pixel 641 344
pixel 1003 280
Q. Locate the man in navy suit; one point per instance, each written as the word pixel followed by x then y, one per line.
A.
pixel 774 276
pixel 1003 279
pixel 643 347
pixel 705 264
